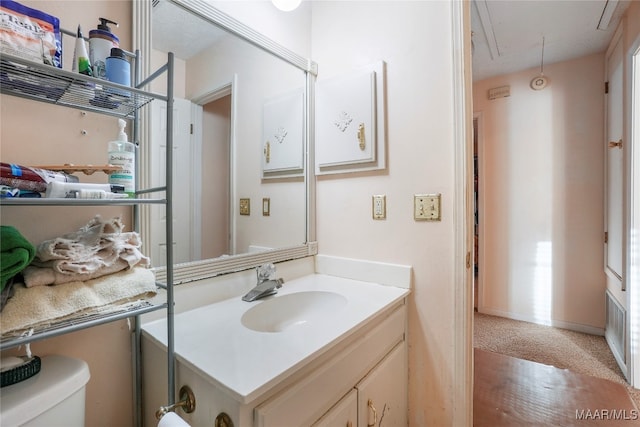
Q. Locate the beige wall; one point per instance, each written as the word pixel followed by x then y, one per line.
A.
pixel 631 22
pixel 541 196
pixel 33 133
pixel 414 40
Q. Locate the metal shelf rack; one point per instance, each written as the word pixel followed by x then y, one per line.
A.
pixel 44 83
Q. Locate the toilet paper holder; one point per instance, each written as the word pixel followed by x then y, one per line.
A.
pixel 187 403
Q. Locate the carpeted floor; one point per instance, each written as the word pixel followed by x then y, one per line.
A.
pixel 578 352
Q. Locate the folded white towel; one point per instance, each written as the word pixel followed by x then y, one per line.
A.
pixel 43 305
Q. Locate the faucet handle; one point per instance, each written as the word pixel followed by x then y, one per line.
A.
pixel 265 272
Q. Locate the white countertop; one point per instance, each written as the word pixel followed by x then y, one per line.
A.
pixel 213 341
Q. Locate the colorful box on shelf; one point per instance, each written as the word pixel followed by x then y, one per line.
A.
pixel 30 34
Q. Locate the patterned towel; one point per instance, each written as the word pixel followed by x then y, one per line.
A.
pixel 97 249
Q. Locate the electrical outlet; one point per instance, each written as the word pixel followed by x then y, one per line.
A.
pixel 245 206
pixel 426 207
pixel 379 207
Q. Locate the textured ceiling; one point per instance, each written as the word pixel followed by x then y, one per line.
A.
pixel 178 31
pixel 507 35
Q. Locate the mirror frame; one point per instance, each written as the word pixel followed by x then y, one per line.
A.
pixel 198 270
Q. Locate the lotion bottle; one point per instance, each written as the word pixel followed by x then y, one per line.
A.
pixel 101 41
pixel 81 63
pixel 123 153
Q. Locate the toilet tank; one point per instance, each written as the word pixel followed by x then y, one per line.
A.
pixel 53 397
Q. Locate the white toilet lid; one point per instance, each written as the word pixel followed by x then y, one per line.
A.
pixel 59 378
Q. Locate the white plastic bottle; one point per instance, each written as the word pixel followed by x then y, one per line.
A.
pixel 123 153
pixel 101 41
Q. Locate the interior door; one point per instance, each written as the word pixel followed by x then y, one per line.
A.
pixel 182 192
pixel 614 164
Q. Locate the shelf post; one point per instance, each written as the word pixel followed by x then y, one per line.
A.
pixel 169 232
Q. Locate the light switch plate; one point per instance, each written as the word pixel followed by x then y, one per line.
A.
pixel 245 206
pixel 266 206
pixel 379 207
pixel 426 207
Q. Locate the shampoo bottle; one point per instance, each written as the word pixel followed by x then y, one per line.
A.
pixel 123 153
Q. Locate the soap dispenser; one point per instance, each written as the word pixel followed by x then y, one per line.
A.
pixel 123 153
pixel 101 41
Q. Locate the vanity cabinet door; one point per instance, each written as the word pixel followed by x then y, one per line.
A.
pixel 305 400
pixel 382 394
pixel 342 414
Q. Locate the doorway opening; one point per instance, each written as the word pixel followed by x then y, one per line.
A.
pixel 214 136
pixel 216 177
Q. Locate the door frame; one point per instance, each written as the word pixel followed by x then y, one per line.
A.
pixel 462 91
pixel 610 272
pixel 633 212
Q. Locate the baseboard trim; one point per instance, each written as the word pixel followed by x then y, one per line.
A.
pixel 578 327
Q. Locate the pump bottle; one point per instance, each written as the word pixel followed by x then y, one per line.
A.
pixel 123 153
pixel 101 41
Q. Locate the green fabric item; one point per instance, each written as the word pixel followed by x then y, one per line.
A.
pixel 15 253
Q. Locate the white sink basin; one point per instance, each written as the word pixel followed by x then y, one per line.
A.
pixel 285 311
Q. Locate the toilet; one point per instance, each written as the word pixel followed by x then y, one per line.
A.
pixel 53 397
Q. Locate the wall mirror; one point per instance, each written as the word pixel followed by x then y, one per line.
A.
pixel 241 134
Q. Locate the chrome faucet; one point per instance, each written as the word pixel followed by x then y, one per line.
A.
pixel 266 284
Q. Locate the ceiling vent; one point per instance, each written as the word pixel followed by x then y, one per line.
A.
pixel 607 13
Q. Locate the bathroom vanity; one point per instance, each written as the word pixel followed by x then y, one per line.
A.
pixel 323 351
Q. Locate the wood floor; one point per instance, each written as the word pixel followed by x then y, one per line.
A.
pixel 516 392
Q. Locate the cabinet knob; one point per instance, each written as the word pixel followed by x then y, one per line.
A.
pixel 614 144
pixel 267 151
pixel 375 414
pixel 223 420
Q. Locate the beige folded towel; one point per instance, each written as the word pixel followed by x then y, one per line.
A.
pixel 43 276
pixel 43 305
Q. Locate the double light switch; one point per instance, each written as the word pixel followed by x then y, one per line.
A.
pixel 426 207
